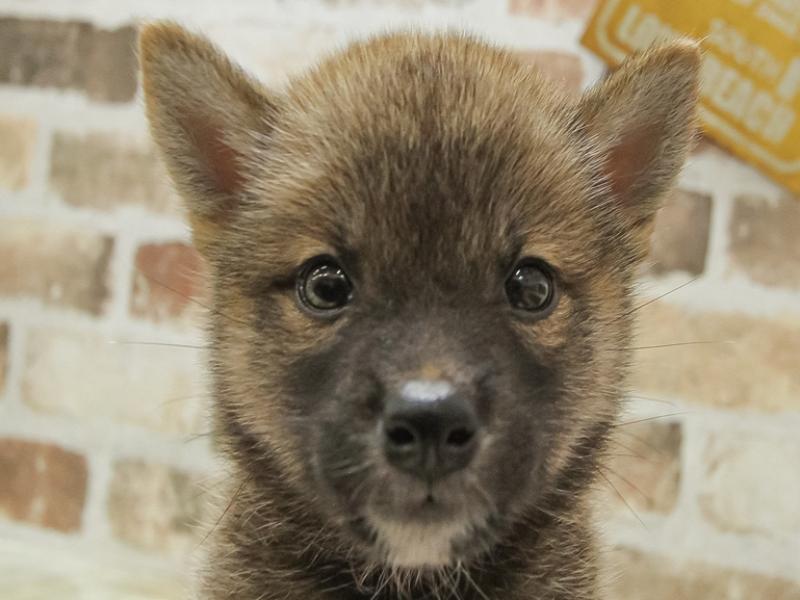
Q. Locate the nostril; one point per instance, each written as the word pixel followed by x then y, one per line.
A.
pixel 430 439
pixel 400 435
pixel 460 437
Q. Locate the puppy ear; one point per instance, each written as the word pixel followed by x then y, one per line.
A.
pixel 641 123
pixel 204 113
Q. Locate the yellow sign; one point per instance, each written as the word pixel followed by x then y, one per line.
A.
pixel 750 97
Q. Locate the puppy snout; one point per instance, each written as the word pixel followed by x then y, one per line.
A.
pixel 429 429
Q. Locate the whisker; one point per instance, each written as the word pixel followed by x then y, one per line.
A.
pixel 190 298
pixel 351 469
pixel 358 489
pixel 621 497
pixel 625 455
pixel 453 580
pixel 382 583
pixel 194 397
pixel 552 514
pixel 166 344
pixel 197 436
pixel 651 399
pixel 681 344
pixel 633 452
pixel 474 585
pixel 676 414
pixel 656 299
pixel 629 483
pixel 225 512
pixel 641 440
pixel 478 487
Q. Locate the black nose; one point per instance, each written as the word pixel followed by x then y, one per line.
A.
pixel 429 430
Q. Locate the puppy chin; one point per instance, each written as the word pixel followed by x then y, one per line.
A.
pixel 419 546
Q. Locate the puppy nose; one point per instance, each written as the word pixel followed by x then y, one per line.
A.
pixel 429 430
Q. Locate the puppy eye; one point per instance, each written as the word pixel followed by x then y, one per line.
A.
pixel 531 286
pixel 323 286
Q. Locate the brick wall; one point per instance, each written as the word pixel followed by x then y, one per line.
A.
pixel 103 457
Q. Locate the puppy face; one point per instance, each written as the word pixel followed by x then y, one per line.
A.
pixel 422 260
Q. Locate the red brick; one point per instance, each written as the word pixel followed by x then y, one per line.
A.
pixel 680 238
pixel 764 241
pixel 657 577
pixel 68 55
pixel 291 49
pixel 154 507
pixel 59 265
pixel 553 9
pixel 39 52
pixel 563 67
pixel 539 9
pixel 400 3
pixel 94 381
pixel 107 171
pixel 3 355
pixel 574 9
pixel 167 278
pixel 17 141
pixel 751 484
pixel 741 362
pixel 643 472
pixel 42 484
pixel 109 64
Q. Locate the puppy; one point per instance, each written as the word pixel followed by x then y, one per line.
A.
pixel 422 257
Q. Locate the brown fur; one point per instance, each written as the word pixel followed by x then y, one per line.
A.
pixel 429 164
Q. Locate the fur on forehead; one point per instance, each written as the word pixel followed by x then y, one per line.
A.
pixel 419 89
pixel 423 133
pixel 412 129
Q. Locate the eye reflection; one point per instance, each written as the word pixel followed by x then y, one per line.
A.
pixel 531 286
pixel 323 285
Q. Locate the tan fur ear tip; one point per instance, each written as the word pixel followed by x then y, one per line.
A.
pixel 159 37
pixel 684 51
pixel 156 35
